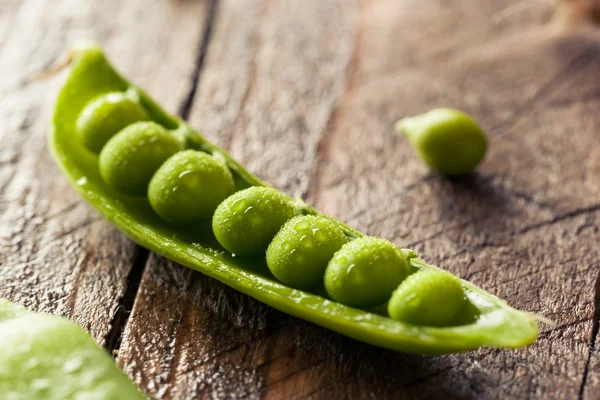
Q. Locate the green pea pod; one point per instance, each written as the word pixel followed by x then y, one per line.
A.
pixel 43 356
pixel 486 321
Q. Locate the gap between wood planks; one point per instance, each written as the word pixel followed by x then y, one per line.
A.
pixel 114 336
pixel 593 338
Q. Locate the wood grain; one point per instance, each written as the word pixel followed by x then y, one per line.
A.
pixel 57 255
pixel 306 97
pixel 514 228
pixel 305 94
pixel 252 88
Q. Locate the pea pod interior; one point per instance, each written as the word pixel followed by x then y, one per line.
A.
pixel 487 321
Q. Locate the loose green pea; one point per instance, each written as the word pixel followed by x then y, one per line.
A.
pixel 103 117
pixel 447 140
pixel 246 222
pixel 132 156
pixel 365 272
pixel 428 297
pixel 189 186
pixel 299 253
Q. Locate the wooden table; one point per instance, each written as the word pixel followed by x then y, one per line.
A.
pixel 305 93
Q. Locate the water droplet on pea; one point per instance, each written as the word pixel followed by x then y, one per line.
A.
pixel 184 173
pixel 306 241
pixel 31 363
pixel 239 205
pixel 40 385
pixel 350 268
pixel 189 178
pixel 410 298
pixel 320 235
pixel 301 225
pixel 72 365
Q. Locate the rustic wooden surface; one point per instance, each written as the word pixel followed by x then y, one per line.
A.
pixel 305 94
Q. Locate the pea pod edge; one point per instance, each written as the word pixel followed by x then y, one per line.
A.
pixel 488 321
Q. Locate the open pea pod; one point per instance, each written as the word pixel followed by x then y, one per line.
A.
pixel 486 321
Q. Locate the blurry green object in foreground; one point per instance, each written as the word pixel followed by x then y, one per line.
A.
pixel 447 140
pixel 43 356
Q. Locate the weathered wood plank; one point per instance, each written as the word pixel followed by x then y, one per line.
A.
pixel 275 68
pixel 10 9
pixel 591 387
pixel 57 254
pixel 189 336
pixel 517 226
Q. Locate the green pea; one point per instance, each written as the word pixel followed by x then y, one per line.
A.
pixel 246 222
pixel 299 253
pixel 103 117
pixel 189 186
pixel 447 140
pixel 132 156
pixel 365 272
pixel 428 297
